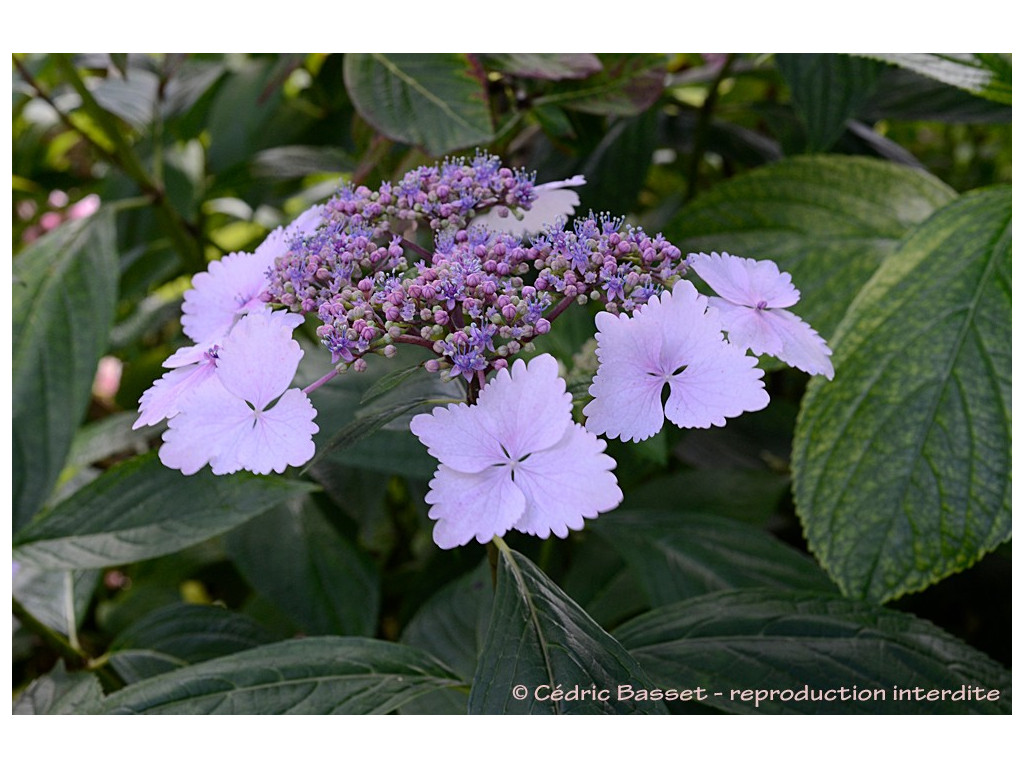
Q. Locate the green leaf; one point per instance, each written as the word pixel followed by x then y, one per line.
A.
pixel 180 634
pixel 828 221
pixel 902 464
pixel 60 693
pixel 760 640
pixel 141 509
pixel 131 98
pixel 59 599
pixel 545 66
pixel 628 85
pixel 748 495
pixel 904 95
pixel 309 676
pixel 319 579
pixel 986 75
pixel 427 99
pixel 65 289
pixel 678 555
pixel 338 446
pixel 827 90
pixel 616 168
pixel 603 584
pixel 296 162
pixel 452 625
pixel 540 640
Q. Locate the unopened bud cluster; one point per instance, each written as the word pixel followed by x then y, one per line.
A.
pixel 480 295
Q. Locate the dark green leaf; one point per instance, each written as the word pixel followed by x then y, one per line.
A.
pixel 297 162
pixel 906 95
pixel 902 464
pixel 60 693
pixel 541 640
pixel 603 584
pixel 65 289
pixel 315 576
pixel 452 625
pixel 181 634
pixel 678 555
pixel 59 599
pixel 828 221
pixel 249 90
pixel 394 379
pixel 428 99
pixel 759 640
pixel 628 85
pixel 545 66
pixel 747 495
pixel 986 75
pixel 141 509
pixel 191 81
pixel 617 167
pixel 827 90
pixel 310 676
pixel 131 98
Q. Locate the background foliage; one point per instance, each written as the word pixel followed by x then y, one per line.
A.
pixel 853 534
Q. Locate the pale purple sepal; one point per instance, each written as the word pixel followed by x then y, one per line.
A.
pixel 752 308
pixel 554 201
pixel 673 340
pixel 515 459
pixel 226 422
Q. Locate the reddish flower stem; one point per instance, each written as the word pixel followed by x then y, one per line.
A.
pixel 320 382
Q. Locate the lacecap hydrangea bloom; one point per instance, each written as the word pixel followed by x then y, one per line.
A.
pixel 752 302
pixel 243 414
pixel 674 341
pixel 515 460
pixel 473 261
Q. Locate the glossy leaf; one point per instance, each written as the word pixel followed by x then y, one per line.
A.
pixel 906 95
pixel 318 578
pixel 617 167
pixel 181 634
pixel 59 599
pixel 603 584
pixel 309 676
pixel 678 555
pixel 545 66
pixel 747 495
pixel 540 639
pixel 902 464
pixel 627 85
pixel 986 75
pixel 452 625
pixel 428 99
pixel 60 693
pixel 828 221
pixel 827 90
pixel 65 289
pixel 141 509
pixel 760 640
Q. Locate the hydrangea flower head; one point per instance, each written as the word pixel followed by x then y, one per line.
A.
pixel 515 459
pixel 752 300
pixel 673 340
pixel 231 420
